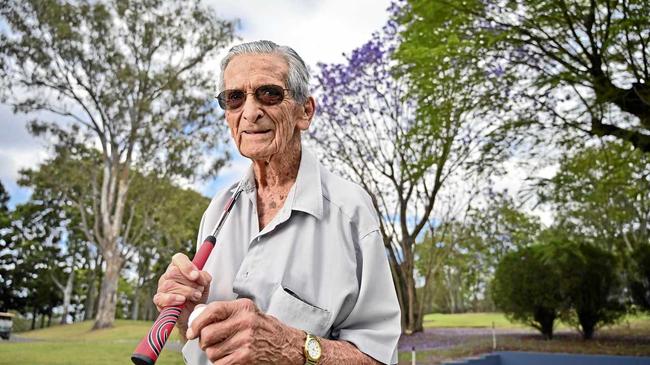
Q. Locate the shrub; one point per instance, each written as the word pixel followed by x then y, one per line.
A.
pixel 525 288
pixel 591 285
pixel 640 277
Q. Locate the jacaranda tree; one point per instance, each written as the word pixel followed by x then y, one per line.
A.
pixel 399 147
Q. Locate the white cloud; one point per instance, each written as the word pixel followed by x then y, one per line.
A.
pixel 320 31
pixel 18 150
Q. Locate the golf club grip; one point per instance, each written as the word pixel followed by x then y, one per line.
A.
pixel 152 344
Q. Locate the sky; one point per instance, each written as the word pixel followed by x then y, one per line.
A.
pixel 319 30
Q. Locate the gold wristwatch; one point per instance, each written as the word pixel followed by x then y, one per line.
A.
pixel 313 350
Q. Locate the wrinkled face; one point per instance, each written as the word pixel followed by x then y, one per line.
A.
pixel 261 131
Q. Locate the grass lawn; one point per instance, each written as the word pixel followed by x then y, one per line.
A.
pixel 76 344
pixel 468 320
pixel 631 337
pixel 485 320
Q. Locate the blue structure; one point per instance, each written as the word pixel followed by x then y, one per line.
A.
pixel 541 358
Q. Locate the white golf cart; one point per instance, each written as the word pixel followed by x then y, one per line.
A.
pixel 6 322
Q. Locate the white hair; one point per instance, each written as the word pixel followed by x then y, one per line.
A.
pixel 297 77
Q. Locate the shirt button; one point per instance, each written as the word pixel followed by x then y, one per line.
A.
pixel 258 239
pixel 246 274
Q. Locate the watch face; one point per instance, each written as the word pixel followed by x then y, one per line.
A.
pixel 313 348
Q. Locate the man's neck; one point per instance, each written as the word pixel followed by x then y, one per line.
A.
pixel 281 170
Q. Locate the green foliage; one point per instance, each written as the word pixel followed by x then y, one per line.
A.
pixel 591 285
pixel 466 252
pixel 556 69
pixel 125 74
pixel 640 277
pixel 578 282
pixel 30 256
pixel 162 219
pixel 602 194
pixel 526 288
pixel 502 226
pixel 6 258
pixel 128 78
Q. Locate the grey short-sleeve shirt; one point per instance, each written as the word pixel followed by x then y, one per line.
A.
pixel 320 265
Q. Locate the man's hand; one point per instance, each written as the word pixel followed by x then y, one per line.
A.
pixel 182 283
pixel 237 332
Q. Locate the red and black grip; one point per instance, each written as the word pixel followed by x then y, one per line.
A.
pixel 152 344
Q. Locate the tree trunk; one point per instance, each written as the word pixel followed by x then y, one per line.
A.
pixel 413 319
pixel 108 295
pixel 91 295
pixel 67 296
pixel 42 320
pixel 90 299
pixel 138 286
pixel 136 304
pixel 34 314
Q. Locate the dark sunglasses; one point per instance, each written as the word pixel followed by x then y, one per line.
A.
pixel 265 94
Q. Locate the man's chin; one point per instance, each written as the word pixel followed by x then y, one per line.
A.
pixel 256 155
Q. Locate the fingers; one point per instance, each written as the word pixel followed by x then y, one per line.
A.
pixel 189 291
pixel 174 273
pixel 234 350
pixel 219 311
pixel 241 356
pixel 215 333
pixel 162 300
pixel 204 279
pixel 187 268
pixel 184 279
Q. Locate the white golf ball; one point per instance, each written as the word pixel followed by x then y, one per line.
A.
pixel 195 313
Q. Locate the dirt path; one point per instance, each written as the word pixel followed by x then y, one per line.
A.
pixel 14 338
pixel 438 338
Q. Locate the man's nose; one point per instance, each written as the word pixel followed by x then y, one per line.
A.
pixel 251 109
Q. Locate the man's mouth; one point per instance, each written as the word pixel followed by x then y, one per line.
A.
pixel 257 132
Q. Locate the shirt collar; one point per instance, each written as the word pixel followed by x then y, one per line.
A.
pixel 308 195
pixel 307 192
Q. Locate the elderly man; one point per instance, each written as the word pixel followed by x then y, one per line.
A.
pixel 299 274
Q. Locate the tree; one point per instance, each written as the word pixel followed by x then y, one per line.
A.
pixel 165 232
pixel 154 232
pixel 602 194
pixel 591 285
pixel 31 254
pixel 7 297
pixel 491 228
pixel 640 277
pixel 400 148
pixel 441 262
pixel 501 226
pixel 525 288
pixel 127 77
pixel 567 68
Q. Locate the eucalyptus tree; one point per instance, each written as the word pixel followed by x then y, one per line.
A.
pixel 127 77
pixel 570 69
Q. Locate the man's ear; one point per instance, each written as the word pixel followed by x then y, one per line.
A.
pixel 307 112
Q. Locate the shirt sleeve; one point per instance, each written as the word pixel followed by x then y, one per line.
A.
pixel 373 325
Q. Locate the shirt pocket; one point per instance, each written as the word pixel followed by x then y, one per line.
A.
pixel 295 312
